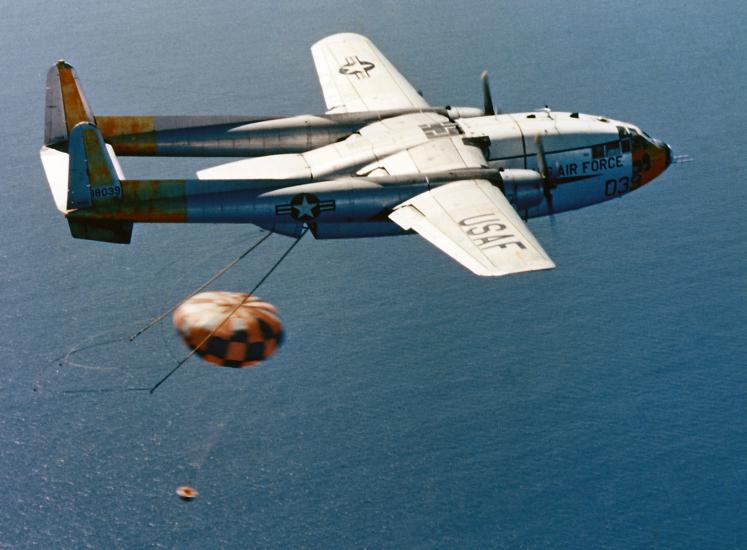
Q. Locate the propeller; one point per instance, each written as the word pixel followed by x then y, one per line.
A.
pixel 548 185
pixel 487 98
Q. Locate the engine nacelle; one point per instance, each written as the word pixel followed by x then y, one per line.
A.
pixel 463 112
pixel 523 188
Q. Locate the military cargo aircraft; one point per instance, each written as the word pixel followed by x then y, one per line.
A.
pixel 380 161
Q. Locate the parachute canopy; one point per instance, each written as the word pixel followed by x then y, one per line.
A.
pixel 241 329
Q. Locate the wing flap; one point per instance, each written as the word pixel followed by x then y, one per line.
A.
pixel 355 76
pixel 472 222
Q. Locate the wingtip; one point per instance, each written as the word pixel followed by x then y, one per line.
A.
pixel 338 37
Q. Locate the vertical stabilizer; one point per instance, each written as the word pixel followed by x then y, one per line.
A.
pixel 93 178
pixel 66 105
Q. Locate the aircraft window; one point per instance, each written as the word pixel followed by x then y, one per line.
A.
pixel 622 131
pixel 625 145
pixel 597 152
pixel 613 149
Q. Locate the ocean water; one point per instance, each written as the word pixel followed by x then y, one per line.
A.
pixel 599 405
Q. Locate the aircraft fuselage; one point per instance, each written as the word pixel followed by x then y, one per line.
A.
pixel 589 160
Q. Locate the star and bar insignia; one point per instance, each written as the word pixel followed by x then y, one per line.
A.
pixel 354 66
pixel 304 206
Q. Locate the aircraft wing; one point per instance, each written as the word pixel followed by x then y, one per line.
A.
pixel 355 76
pixel 471 221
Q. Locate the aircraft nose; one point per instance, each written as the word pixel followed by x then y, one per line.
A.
pixel 651 159
pixel 666 149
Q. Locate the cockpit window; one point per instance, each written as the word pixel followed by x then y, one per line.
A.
pixel 610 149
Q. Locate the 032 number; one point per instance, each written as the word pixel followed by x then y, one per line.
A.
pixel 616 187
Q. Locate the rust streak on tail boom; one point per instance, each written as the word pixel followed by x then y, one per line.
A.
pixel 161 201
pixel 129 135
pixel 76 109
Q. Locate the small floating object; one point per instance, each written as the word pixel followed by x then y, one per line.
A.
pixel 185 492
pixel 251 334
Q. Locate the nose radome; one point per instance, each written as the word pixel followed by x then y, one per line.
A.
pixel 654 158
pixel 666 149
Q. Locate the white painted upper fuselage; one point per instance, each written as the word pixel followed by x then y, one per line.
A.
pixel 589 158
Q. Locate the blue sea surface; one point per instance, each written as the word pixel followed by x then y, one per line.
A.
pixel 602 404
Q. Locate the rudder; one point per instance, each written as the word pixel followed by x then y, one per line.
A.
pixel 94 176
pixel 66 105
pixel 94 179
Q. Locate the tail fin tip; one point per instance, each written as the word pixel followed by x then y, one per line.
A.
pixel 66 105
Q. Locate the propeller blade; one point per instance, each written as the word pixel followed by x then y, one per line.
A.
pixel 548 198
pixel 541 164
pixel 548 185
pixel 486 97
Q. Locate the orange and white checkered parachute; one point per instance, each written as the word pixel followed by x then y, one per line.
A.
pixel 250 335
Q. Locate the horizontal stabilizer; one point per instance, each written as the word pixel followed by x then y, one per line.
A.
pixel 107 231
pixel 56 167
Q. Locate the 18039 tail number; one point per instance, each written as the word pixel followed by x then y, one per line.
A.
pixel 112 191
